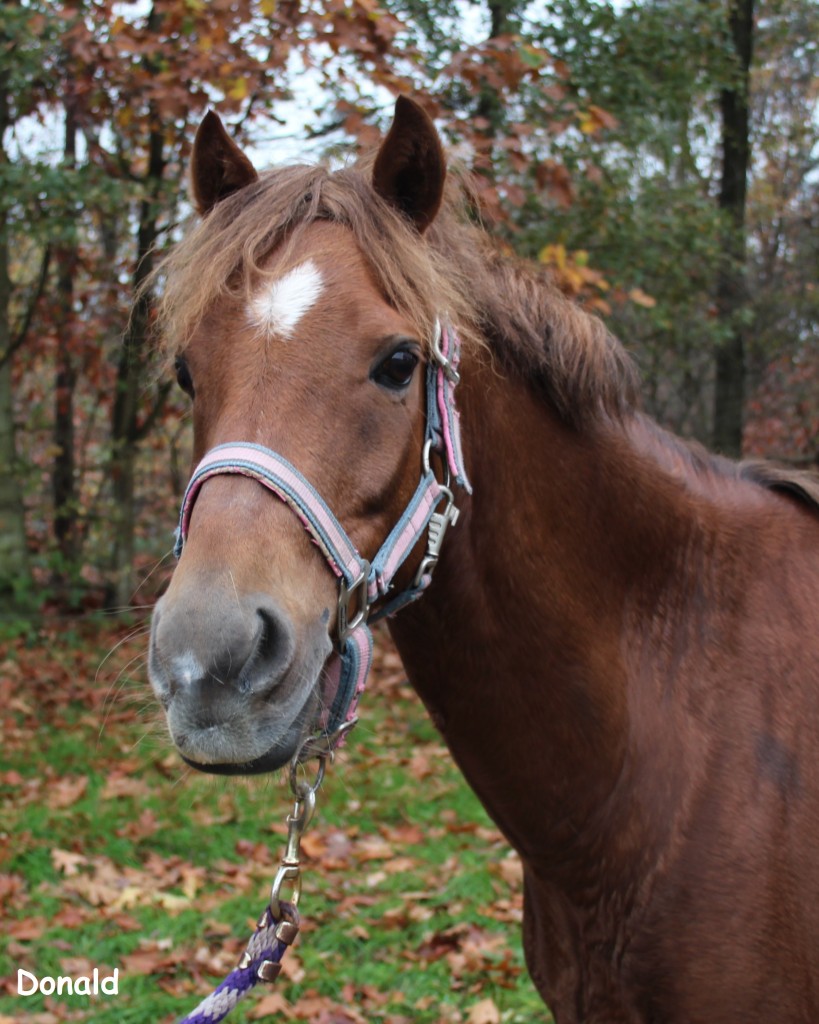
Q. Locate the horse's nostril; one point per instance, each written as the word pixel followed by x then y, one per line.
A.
pixel 275 647
pixel 211 652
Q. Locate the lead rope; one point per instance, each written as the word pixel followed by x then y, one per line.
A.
pixel 279 924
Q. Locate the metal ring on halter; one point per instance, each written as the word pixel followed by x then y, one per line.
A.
pixel 428 446
pixel 347 593
pixel 301 789
pixel 441 359
pixel 322 745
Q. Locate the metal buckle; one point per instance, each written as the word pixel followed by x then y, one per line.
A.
pixel 346 594
pixel 439 522
pixel 450 372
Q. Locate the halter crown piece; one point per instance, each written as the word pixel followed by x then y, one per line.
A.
pixel 361 583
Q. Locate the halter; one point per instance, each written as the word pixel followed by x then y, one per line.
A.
pixel 361 583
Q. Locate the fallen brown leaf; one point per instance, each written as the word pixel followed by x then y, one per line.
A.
pixel 67 862
pixel 147 961
pixel 484 1012
pixel 25 930
pixel 66 792
pixel 372 848
pixel 292 968
pixel 313 845
pixel 119 784
pixel 271 1004
pixel 510 870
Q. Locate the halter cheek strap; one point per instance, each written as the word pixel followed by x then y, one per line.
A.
pixel 361 583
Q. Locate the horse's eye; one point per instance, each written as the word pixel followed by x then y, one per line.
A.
pixel 396 370
pixel 183 375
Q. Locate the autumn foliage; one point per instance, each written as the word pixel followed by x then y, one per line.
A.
pixel 99 102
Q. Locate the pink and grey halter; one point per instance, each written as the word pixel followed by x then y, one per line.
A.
pixel 361 583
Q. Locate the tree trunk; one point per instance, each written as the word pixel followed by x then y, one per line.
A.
pixel 63 476
pixel 16 589
pixel 15 572
pixel 126 430
pixel 503 15
pixel 120 587
pixel 731 296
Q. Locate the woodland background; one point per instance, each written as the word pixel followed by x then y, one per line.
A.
pixel 661 156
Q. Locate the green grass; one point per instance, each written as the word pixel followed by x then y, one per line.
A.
pixel 112 854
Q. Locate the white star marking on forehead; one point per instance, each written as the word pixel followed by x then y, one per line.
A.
pixel 279 306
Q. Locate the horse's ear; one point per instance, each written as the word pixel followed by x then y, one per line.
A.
pixel 218 166
pixel 410 168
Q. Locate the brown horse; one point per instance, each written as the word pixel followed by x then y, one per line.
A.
pixel 620 644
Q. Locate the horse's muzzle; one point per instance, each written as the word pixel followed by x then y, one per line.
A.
pixel 237 681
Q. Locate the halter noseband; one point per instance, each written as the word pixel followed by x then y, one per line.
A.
pixel 361 583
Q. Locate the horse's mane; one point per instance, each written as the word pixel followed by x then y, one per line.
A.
pixel 507 304
pixel 693 460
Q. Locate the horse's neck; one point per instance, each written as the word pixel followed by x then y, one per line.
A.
pixel 517 647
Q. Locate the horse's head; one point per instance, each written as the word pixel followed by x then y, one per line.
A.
pixel 299 345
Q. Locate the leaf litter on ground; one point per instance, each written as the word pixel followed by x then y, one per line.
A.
pixel 113 854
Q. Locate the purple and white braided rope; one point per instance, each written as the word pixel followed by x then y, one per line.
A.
pixel 264 947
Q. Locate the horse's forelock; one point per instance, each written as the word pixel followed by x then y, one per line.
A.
pixel 454 270
pixel 227 252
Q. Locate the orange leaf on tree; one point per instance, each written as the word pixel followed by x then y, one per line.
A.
pixel 641 298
